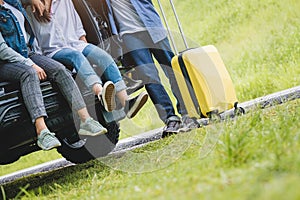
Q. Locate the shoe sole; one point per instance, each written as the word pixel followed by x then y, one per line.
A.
pixel 140 102
pixel 167 134
pixel 108 96
pixel 49 148
pixel 88 133
pixel 185 129
pixel 173 131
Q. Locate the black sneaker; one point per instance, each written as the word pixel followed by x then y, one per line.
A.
pixel 189 123
pixel 173 126
pixel 133 105
pixel 132 84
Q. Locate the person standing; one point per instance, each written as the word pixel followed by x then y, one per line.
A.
pixel 143 35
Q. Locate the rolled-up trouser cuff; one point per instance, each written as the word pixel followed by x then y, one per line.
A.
pixel 120 85
pixel 76 102
pixel 38 114
pixel 91 80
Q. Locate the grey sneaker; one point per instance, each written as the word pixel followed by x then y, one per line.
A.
pixel 47 140
pixel 189 123
pixel 107 97
pixel 173 125
pixel 91 128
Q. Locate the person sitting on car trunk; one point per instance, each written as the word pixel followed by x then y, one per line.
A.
pixel 19 64
pixel 61 36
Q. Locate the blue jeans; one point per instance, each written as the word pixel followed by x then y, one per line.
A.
pixel 84 61
pixel 140 48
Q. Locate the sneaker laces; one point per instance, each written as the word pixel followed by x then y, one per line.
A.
pixel 47 137
pixel 190 122
pixel 90 121
pixel 172 126
pixel 172 123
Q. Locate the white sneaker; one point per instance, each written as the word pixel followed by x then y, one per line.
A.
pixel 107 97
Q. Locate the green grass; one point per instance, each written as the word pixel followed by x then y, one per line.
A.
pixel 29 160
pixel 255 156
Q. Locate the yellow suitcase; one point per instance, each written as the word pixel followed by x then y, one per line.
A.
pixel 202 77
pixel 204 81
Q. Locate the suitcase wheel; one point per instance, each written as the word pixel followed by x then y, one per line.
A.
pixel 214 115
pixel 238 110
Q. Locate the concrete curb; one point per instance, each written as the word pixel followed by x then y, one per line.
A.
pixel 144 138
pixel 122 146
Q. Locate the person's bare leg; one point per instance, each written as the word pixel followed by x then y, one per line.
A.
pixel 40 125
pixel 122 96
pixel 97 89
pixel 83 114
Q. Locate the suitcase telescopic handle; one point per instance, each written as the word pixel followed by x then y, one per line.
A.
pixel 168 27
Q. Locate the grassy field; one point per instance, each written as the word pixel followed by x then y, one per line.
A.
pixel 255 156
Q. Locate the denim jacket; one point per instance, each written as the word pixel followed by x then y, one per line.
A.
pixel 146 11
pixel 11 30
